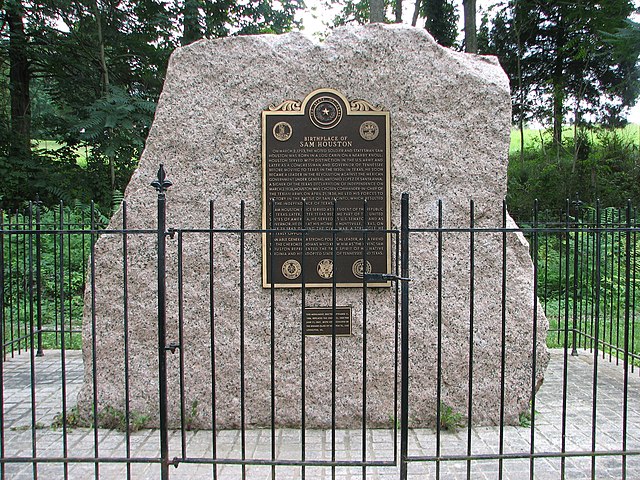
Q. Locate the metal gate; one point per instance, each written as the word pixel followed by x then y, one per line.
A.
pixel 259 451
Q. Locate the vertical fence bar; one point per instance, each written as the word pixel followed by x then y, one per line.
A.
pixel 272 331
pixel 56 294
pixel 69 276
pixel 60 280
pixel 40 352
pixel 627 318
pixel 596 357
pixel 161 184
pixel 125 311
pixel 574 330
pixel 183 420
pixel 503 334
pixel 2 353
pixel 32 348
pixel 243 432
pixel 472 271
pixel 567 233
pixel 583 265
pixel 534 340
pixel 560 286
pixel 546 269
pixel 618 289
pixel 636 266
pixel 94 344
pixel 613 276
pixel 605 307
pixel 303 346
pixel 214 439
pixel 404 334
pixel 20 288
pixel 11 275
pixel 396 351
pixel 595 307
pixel 365 221
pixel 439 354
pixel 334 293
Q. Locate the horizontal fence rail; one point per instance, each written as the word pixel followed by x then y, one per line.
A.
pixel 582 421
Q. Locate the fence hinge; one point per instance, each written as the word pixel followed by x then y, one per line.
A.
pixel 383 277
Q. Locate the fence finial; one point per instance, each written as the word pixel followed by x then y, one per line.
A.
pixel 161 184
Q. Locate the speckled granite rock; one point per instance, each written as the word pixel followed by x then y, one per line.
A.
pixel 450 115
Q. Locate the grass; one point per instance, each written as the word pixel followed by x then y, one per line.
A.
pixel 82 152
pixel 533 136
pixel 611 333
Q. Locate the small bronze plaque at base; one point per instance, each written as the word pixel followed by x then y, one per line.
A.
pixel 319 321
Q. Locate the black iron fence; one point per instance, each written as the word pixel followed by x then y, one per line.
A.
pixel 585 268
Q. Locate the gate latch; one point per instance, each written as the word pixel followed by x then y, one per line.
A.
pixel 383 277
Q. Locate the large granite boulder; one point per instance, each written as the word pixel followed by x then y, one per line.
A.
pixel 450 122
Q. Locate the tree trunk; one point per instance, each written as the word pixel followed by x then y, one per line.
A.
pixel 470 33
pixel 558 115
pixel 416 12
pixel 520 96
pixel 19 80
pixel 398 11
pixel 558 88
pixel 105 81
pixel 102 56
pixel 376 11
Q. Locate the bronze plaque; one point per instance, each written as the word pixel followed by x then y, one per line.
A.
pixel 319 321
pixel 322 149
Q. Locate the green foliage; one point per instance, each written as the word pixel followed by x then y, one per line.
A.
pixel 110 417
pixel 561 62
pixel 192 416
pixel 356 11
pixel 450 420
pixel 601 164
pixel 61 302
pixel 95 73
pixel 72 419
pixel 524 418
pixel 582 280
pixel 115 419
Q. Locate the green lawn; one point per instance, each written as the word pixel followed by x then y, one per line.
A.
pixel 534 137
pixel 82 151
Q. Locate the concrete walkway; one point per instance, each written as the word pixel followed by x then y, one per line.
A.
pixel 80 442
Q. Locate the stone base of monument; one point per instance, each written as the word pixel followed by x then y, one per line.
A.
pixel 449 123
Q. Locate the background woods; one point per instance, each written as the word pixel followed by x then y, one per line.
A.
pixel 79 81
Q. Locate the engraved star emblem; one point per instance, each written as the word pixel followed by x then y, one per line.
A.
pixel 325 111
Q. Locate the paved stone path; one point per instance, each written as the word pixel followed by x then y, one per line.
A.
pixel 19 434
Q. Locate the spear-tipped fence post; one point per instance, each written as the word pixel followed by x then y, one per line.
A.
pixel 161 184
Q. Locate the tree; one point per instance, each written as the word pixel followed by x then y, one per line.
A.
pixel 563 64
pixel 98 67
pixel 441 21
pixel 470 34
pixel 19 81
pixel 376 13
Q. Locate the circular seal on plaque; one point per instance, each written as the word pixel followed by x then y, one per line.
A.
pixel 282 131
pixel 291 269
pixel 325 112
pixel 369 130
pixel 358 270
pixel 325 268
